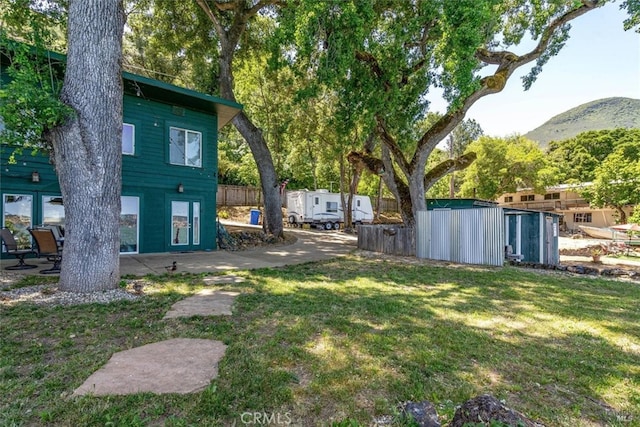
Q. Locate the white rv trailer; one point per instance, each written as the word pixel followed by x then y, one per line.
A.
pixel 322 209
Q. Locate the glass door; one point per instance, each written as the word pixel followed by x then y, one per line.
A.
pixel 18 217
pixel 185 225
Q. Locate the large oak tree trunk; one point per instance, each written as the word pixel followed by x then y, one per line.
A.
pixel 268 175
pixel 87 148
pixel 258 145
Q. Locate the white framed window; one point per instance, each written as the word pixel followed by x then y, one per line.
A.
pixel 18 217
pixel 129 224
pixel 582 217
pixel 332 206
pixel 52 211
pixel 128 139
pixel 195 229
pixel 179 223
pixel 185 147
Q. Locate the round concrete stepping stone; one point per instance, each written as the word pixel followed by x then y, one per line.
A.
pixel 207 302
pixel 180 365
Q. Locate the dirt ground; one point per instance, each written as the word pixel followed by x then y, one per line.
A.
pixel 573 251
pixel 242 214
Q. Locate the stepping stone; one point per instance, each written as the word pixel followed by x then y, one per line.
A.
pixel 218 280
pixel 207 302
pixel 180 365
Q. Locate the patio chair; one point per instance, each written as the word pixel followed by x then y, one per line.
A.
pixel 47 247
pixel 59 236
pixel 11 247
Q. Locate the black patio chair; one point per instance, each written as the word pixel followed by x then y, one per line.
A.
pixel 47 247
pixel 11 247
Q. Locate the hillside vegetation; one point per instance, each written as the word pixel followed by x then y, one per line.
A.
pixel 607 113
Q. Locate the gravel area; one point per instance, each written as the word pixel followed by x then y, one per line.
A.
pixel 50 295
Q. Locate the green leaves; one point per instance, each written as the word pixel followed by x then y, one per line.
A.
pixel 29 103
pixel 503 165
pixel 617 179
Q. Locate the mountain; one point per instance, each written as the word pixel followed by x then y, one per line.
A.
pixel 607 113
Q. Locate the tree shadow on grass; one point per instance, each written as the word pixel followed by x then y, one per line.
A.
pixel 388 333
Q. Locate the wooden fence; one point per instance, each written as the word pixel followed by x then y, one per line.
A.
pixel 238 195
pixel 388 239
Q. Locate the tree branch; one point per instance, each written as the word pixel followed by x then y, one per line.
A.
pixel 507 63
pixel 388 140
pixel 447 167
pixel 213 18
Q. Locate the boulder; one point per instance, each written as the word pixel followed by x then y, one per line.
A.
pixel 483 410
pixel 422 413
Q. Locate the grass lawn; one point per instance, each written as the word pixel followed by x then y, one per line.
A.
pixel 343 342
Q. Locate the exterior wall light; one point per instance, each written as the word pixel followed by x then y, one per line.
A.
pixel 35 176
pixel 180 188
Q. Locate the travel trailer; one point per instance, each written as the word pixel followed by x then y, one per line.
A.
pixel 322 209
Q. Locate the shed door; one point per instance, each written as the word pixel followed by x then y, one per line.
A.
pixel 548 240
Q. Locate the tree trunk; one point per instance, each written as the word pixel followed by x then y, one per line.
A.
pixel 259 149
pixel 87 148
pixel 622 214
pixel 268 175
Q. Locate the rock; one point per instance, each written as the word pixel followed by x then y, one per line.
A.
pixel 614 272
pixel 578 269
pixel 422 413
pixel 485 409
pixel 591 270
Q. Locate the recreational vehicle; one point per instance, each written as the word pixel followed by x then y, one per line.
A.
pixel 322 209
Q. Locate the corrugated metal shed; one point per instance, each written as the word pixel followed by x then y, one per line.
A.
pixel 468 236
pixel 533 235
pixel 459 204
pixel 478 232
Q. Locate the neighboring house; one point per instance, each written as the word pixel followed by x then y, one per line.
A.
pixel 169 171
pixel 566 200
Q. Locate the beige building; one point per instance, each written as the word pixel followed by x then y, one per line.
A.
pixel 566 200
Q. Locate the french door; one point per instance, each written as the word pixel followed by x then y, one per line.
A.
pixel 185 225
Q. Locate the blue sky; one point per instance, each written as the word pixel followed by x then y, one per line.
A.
pixel 600 60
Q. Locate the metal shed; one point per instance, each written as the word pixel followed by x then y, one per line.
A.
pixel 459 204
pixel 480 232
pixel 533 235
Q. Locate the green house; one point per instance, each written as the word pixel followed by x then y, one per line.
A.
pixel 169 172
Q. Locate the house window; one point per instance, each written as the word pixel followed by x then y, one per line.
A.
pixel 17 217
pixel 52 211
pixel 508 199
pixel 185 147
pixel 128 139
pixel 582 217
pixel 552 196
pixel 196 223
pixel 528 198
pixel 332 206
pixel 129 224
pixel 53 214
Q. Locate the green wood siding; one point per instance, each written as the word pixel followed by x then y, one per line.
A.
pixel 147 174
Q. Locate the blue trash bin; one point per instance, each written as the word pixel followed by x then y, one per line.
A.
pixel 255 217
